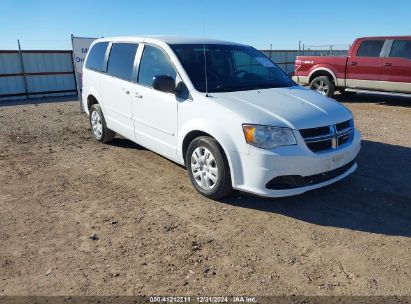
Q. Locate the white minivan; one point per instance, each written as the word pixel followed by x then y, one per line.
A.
pixel 223 110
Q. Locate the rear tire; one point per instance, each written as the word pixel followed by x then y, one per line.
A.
pixel 98 125
pixel 323 85
pixel 208 168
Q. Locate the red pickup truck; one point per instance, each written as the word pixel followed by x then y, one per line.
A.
pixel 373 64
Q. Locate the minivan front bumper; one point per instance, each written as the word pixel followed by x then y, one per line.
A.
pixel 292 170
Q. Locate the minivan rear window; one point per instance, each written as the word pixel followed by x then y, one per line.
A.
pixel 121 60
pixel 95 58
pixel 370 48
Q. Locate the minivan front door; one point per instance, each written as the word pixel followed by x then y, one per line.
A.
pixel 154 112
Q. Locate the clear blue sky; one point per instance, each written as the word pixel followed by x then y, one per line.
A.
pixel 47 24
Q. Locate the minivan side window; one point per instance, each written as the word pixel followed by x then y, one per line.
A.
pixel 95 58
pixel 154 62
pixel 121 60
pixel 401 48
pixel 370 48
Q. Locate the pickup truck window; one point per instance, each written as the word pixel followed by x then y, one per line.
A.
pixel 370 48
pixel 401 48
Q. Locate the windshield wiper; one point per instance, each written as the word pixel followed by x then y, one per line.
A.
pixel 258 86
pixel 235 88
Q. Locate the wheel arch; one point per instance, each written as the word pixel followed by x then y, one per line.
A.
pixel 91 100
pixel 226 144
pixel 322 71
pixel 189 138
pixel 93 97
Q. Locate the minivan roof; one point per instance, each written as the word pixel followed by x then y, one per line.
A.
pixel 168 39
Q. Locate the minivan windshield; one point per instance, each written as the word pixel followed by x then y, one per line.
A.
pixel 229 68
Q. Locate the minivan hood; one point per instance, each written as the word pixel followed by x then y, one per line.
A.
pixel 293 107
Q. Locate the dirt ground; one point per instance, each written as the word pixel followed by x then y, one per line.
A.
pixel 83 218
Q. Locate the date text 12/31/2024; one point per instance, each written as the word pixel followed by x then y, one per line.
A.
pixel 202 299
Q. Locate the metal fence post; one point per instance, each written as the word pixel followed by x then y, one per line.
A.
pixel 23 70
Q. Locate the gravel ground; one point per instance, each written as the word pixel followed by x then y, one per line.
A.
pixel 83 218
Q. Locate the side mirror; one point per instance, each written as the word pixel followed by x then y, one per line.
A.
pixel 164 83
pixel 181 89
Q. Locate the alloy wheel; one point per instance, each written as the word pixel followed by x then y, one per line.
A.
pixel 321 87
pixel 204 168
pixel 96 124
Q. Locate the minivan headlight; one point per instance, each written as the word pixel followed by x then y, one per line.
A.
pixel 268 137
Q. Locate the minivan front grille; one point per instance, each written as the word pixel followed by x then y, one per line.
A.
pixel 318 146
pixel 315 131
pixel 343 125
pixel 326 138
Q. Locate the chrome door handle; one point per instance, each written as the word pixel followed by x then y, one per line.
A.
pixel 354 63
pixel 138 95
pixel 125 91
pixel 388 64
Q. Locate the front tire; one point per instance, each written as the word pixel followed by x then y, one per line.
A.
pixel 98 125
pixel 323 85
pixel 208 168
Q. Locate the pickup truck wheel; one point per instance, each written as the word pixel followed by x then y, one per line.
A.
pixel 208 168
pixel 323 85
pixel 98 125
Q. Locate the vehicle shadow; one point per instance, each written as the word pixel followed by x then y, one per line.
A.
pixel 386 100
pixel 376 198
pixel 122 142
pixel 125 143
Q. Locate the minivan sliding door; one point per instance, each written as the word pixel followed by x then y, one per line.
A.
pixel 115 88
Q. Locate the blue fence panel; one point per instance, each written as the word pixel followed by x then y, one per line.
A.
pixel 32 74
